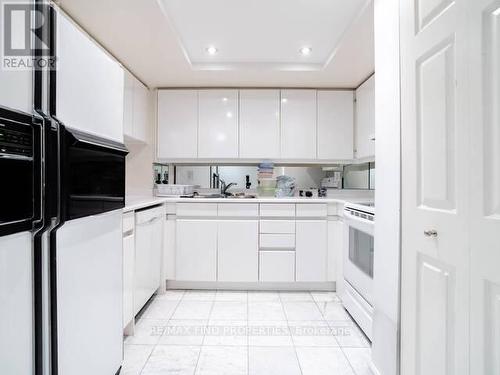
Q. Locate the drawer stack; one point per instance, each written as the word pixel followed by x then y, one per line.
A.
pixel 277 243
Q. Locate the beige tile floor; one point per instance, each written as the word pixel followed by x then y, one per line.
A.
pixel 255 333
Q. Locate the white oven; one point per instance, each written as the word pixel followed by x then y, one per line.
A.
pixel 358 257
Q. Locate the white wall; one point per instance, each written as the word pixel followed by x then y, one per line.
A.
pixel 385 349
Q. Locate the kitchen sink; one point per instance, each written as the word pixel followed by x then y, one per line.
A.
pixel 219 196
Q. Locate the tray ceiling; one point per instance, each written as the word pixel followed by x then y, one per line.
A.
pixel 164 42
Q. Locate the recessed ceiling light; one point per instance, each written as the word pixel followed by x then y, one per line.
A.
pixel 305 51
pixel 229 114
pixel 211 50
pixel 284 100
pixel 224 99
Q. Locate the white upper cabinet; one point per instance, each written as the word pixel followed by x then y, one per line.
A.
pixel 177 124
pixel 142 110
pixel 298 124
pixel 335 124
pixel 128 104
pixel 218 124
pixel 90 84
pixel 259 124
pixel 136 110
pixel 365 119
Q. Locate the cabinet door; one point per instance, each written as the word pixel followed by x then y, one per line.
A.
pixel 218 124
pixel 141 112
pixel 298 124
pixel 128 279
pixel 365 119
pixel 277 266
pixel 259 124
pixel 335 124
pixel 177 124
pixel 311 250
pixel 148 257
pixel 196 250
pixel 89 84
pixel 335 252
pixel 128 105
pixel 238 250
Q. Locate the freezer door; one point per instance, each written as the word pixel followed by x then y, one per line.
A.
pixel 16 304
pixel 89 295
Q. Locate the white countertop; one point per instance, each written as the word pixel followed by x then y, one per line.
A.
pixel 133 203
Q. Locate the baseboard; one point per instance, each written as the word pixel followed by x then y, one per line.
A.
pixel 296 286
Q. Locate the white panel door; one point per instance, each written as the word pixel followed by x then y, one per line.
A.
pixel 196 250
pixel 365 120
pixel 435 147
pixel 484 129
pixel 311 250
pixel 238 250
pixel 177 124
pixel 260 124
pixel 277 266
pixel 16 306
pixel 90 295
pixel 141 112
pixel 128 104
pixel 128 278
pixel 148 258
pixel 90 84
pixel 218 124
pixel 335 124
pixel 298 124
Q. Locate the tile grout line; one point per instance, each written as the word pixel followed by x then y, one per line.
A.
pixel 155 345
pixel 204 335
pixel 291 336
pixel 334 336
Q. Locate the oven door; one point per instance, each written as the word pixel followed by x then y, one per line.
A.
pixel 359 255
pixel 93 177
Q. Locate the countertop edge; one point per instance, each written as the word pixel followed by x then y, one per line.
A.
pixel 137 203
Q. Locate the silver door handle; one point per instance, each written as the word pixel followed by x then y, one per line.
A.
pixel 431 233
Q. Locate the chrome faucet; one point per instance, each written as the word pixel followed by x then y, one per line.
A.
pixel 226 187
pixel 223 186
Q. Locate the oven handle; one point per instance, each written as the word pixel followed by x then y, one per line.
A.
pixel 363 225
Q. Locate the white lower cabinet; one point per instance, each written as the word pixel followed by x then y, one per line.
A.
pixel 311 248
pixel 128 278
pixel 277 266
pixel 196 250
pixel 148 254
pixel 238 249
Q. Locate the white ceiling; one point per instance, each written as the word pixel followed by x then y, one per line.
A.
pixel 163 42
pixel 261 33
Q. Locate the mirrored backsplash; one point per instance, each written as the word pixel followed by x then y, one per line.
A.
pixel 355 176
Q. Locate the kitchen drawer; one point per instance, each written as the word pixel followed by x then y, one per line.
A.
pixel 277 226
pixel 277 210
pixel 277 266
pixel 128 222
pixel 277 241
pixel 197 209
pixel 312 210
pixel 238 209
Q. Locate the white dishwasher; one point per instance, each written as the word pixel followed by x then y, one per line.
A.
pixel 148 254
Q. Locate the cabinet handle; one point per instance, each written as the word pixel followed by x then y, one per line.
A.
pixel 151 220
pixel 431 233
